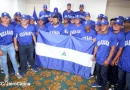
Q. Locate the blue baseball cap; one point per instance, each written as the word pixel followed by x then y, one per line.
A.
pixel 119 22
pixel 44 6
pixel 105 17
pixel 98 24
pixel 87 23
pixel 51 15
pixel 17 14
pixel 77 17
pixel 87 13
pixel 66 17
pixel 5 14
pixel 127 19
pixel 73 17
pixel 24 17
pixel 40 18
pixel 100 16
pixel 55 10
pixel 69 4
pixel 32 18
pixel 81 5
pixel 105 22
pixel 120 17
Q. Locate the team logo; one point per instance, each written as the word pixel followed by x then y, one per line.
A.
pixel 5 13
pixel 64 54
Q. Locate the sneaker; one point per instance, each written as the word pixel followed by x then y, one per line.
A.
pixel 6 79
pixel 22 74
pixel 95 85
pixel 34 69
pixel 18 75
pixel 112 87
pixel 1 71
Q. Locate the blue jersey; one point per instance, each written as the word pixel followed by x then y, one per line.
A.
pixel 92 24
pixel 66 29
pixel 37 28
pixel 124 62
pixel 111 29
pixel 24 35
pixel 69 14
pixel 120 42
pixel 82 15
pixel 55 29
pixel 104 43
pixel 77 30
pixel 44 15
pixel 89 35
pixel 14 23
pixel 48 24
pixel 6 34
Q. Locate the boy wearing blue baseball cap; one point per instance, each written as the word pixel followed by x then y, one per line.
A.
pixel 124 61
pixel 56 27
pixel 44 13
pixel 106 43
pixel 32 20
pixel 89 34
pixel 118 51
pixel 50 18
pixel 66 26
pixel 99 18
pixel 7 46
pixel 40 25
pixel 24 40
pixel 77 28
pixel 98 27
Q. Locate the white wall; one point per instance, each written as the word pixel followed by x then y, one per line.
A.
pixel 21 6
pixel 9 6
pixel 95 7
pixel 117 7
pixel 38 4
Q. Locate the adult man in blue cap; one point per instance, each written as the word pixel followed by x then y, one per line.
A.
pixel 16 19
pixel 82 13
pixel 57 13
pixel 24 40
pixel 69 12
pixel 44 13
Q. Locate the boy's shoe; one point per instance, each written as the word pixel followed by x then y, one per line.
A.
pixel 6 79
pixel 18 75
pixel 95 85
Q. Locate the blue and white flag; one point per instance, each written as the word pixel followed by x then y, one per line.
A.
pixel 65 53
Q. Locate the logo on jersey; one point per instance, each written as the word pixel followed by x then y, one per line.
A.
pixel 76 31
pixel 88 37
pixel 127 43
pixel 25 34
pixel 103 42
pixel 55 32
pixel 5 33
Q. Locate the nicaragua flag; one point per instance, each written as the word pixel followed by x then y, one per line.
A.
pixel 65 53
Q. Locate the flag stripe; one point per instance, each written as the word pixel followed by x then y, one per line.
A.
pixel 64 54
pixel 63 65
